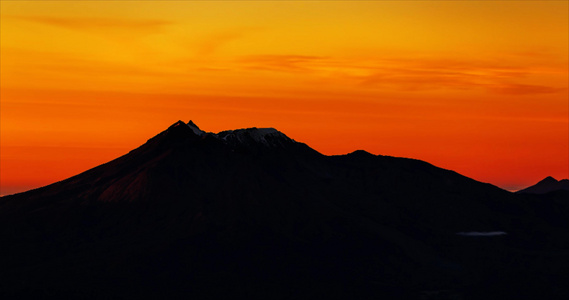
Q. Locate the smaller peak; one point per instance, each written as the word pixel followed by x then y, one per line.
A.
pixel 546 185
pixel 549 179
pixel 192 124
pixel 195 128
pixel 361 152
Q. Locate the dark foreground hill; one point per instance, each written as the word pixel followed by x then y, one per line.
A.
pixel 253 214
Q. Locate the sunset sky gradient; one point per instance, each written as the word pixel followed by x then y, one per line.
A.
pixel 479 87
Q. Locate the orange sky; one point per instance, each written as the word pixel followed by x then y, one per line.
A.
pixel 479 87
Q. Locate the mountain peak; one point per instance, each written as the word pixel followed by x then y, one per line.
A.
pixel 253 139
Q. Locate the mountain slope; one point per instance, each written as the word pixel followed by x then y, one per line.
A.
pixel 253 213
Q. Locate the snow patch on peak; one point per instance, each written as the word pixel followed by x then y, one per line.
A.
pixel 247 137
pixel 265 131
pixel 259 134
pixel 266 136
pixel 195 128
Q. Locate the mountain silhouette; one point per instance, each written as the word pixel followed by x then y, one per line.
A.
pixel 549 184
pixel 252 213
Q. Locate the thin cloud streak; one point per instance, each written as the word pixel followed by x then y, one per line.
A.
pixel 285 63
pixel 95 23
pixel 409 74
pixel 213 42
pixel 525 89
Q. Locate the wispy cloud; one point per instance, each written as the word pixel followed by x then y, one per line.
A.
pixel 212 42
pixel 285 63
pixel 409 74
pixel 96 23
pixel 44 68
pixel 524 89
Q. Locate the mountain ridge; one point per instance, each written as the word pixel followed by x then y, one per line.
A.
pixel 244 139
pixel 195 214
